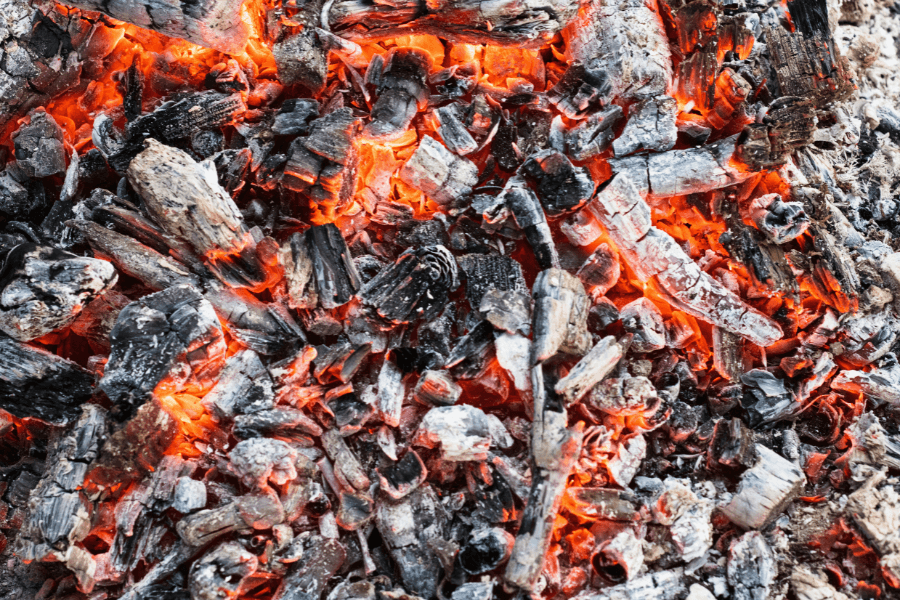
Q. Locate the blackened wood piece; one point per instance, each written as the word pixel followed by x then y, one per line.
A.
pixel 414 288
pixel 401 91
pixel 277 422
pixel 788 125
pixel 529 215
pixel 39 147
pixel 469 355
pixel 43 289
pixel 96 321
pixel 765 261
pixel 307 579
pixel 593 135
pixel 752 567
pixel 400 479
pixel 220 572
pixel 524 24
pixel 36 383
pixel 330 267
pixel 780 221
pixel 243 387
pixel 441 175
pixel 215 24
pixel 732 445
pixel 560 185
pixel 643 320
pixel 251 511
pixel 651 126
pixel 560 315
pixel 301 57
pixel 767 398
pixel 508 311
pixel 579 90
pixel 874 509
pixel 591 369
pixel 265 328
pixel 453 130
pixel 490 272
pixel 150 335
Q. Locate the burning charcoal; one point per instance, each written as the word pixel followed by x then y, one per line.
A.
pixel 554 450
pixel 35 383
pixel 627 42
pixel 728 354
pixel 402 478
pixel 513 355
pixel 440 174
pixel 529 215
pixel 487 272
pixel 808 585
pixel 303 491
pixel 453 131
pixel 687 516
pixel 751 567
pixel 401 91
pixel 348 470
pixel 591 369
pixel 189 204
pixel 318 267
pixel 14 197
pixel 560 315
pixel 243 387
pixel 391 391
pixel 294 116
pixel 781 221
pixel 253 511
pixel 355 511
pixel 220 573
pixel 57 516
pixel 624 466
pixel 482 590
pixel 260 460
pixel 642 319
pixel 485 550
pixel 265 328
pixel 618 560
pixel 339 361
pixel 463 432
pixel 133 258
pixel 303 57
pixel 732 445
pixel 600 272
pixel 407 527
pixel 189 495
pixel 661 585
pixel 880 385
pixel 155 336
pixel 44 289
pixel 767 399
pixel 437 388
pixel 765 490
pixel 39 146
pixel 415 288
pixel 578 91
pixel 508 311
pixel 873 508
pixel 626 396
pixel 651 126
pixel 277 422
pixel 560 185
pixel 593 136
pixel 599 503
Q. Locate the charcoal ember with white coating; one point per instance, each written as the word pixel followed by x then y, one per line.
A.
pixel 319 269
pixel 301 57
pixel 732 444
pixel 437 388
pixel 166 333
pixel 528 213
pixel 43 289
pixel 766 398
pixel 781 221
pixel 39 146
pixel 643 320
pixel 508 311
pixel 260 460
pixel 873 509
pixel 579 90
pixel 218 575
pixel 765 490
pixel 593 135
pixel 651 126
pixel 443 176
pixel 243 386
pixel 265 328
pixel 484 272
pixel 560 315
pixel 752 566
pixel 281 422
pixel 591 369
pixel 462 432
pixel 452 129
pixel 600 271
pixel 348 470
pixel 623 395
pixel 485 550
pixel 307 579
pixel 619 559
pixel 401 90
pixel 401 478
pixel 415 287
pixel 560 185
pixel 251 511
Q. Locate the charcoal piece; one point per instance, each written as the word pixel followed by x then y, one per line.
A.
pixel 304 491
pixel 96 321
pixel 481 590
pixel 348 469
pixel 752 567
pixel 307 579
pixel 624 465
pixel 529 215
pixel 36 383
pixel 561 186
pixel 14 197
pixel 220 573
pixel 277 422
pixel 400 479
pixel 732 445
pixel 258 461
pixel 350 412
pixel 600 503
pixel 251 511
pixel 651 126
pixel 485 550
pixel 764 259
pixel 879 385
pixel 765 490
pixel 266 329
pixel 453 131
pixel 603 314
pixel 619 559
pixel 468 357
pixel 659 585
pixel 781 221
pixel 443 176
pixel 560 315
pixel 401 90
pixel 462 432
pixel 873 507
pixel 133 258
pixel 44 289
pixel 294 116
pixel 407 527
pixel 508 311
pixel 437 388
pixel 490 272
pixel 415 287
pixel 643 320
pixel 153 335
pixel 57 516
pixel 340 361
pixel 600 271
pixel 591 369
pixel 318 262
pixel 189 495
pixel 767 398
pixel 302 58
pixel 243 387
pixel 39 146
pixel 627 42
pixel 593 135
pixel 788 126
pixel 579 91
pixel 391 389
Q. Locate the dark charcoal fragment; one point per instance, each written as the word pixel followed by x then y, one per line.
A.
pixel 579 90
pixel 336 277
pixel 276 422
pixel 470 354
pixel 295 116
pixel 403 477
pixel 401 88
pixel 766 398
pixel 486 550
pixel 306 579
pixel 39 146
pixel 490 272
pixel 732 445
pixel 529 215
pixel 560 185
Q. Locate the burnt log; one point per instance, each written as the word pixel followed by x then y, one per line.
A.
pixel 401 90
pixel 650 126
pixel 319 269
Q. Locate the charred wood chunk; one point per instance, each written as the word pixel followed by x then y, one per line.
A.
pixel 579 91
pixel 732 89
pixel 441 175
pixel 623 396
pixel 258 461
pixel 560 315
pixel 35 383
pixel 697 78
pixel 873 508
pixel 693 170
pixel 340 361
pixel 529 215
pixel 43 289
pixel 752 566
pixel 403 477
pixel 486 272
pixel 96 321
pixel 624 466
pixel 188 203
pixel 220 572
pixel 280 422
pixel 348 469
pixel 57 515
pixel 401 90
pixel 153 335
pixel 302 58
pixel 561 186
pixel 252 511
pixel 437 388
pixel 627 41
pixel 788 125
pixel 732 445
pixel 765 490
pixel 294 116
pixel 766 398
pixel 593 135
pixel 319 268
pixel 643 320
pixel 591 369
pixel 485 550
pixel 781 221
pixel 764 259
pixel 39 146
pixel 508 311
pixel 453 130
pixel 264 328
pixel 600 503
pixel 600 271
pixel 243 387
pixel 307 579
pixel 879 385
pixel 414 288
pixel 521 25
pixel 660 585
pixel 411 527
pixel 215 24
pixel 469 357
pixel 463 432
pixel 728 354
pixel 651 126
pixel 619 559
